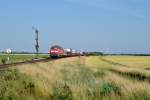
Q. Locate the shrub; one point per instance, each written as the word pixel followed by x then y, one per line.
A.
pixel 30 87
pixel 140 95
pixel 108 88
pixel 11 97
pixel 62 92
pixel 3 60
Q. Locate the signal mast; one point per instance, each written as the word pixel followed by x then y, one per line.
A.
pixel 36 40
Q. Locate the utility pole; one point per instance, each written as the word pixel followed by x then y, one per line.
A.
pixel 36 40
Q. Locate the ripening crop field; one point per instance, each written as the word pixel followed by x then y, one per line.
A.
pixel 79 78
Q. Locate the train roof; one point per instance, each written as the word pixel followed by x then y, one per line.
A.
pixel 56 46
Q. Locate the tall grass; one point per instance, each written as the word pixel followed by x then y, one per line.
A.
pixel 84 78
pixel 14 85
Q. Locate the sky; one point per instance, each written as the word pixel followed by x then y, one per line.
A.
pixel 110 26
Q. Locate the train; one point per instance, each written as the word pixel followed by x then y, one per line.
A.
pixel 57 51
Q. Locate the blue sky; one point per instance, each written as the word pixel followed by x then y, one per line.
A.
pixel 114 26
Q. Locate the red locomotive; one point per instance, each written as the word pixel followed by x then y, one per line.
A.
pixel 56 51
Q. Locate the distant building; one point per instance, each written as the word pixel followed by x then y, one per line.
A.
pixel 8 50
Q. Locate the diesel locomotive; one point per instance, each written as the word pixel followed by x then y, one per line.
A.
pixel 57 51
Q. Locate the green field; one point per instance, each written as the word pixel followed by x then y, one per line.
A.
pixel 79 78
pixel 19 57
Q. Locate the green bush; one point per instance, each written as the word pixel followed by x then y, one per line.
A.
pixel 11 97
pixel 109 88
pixel 3 60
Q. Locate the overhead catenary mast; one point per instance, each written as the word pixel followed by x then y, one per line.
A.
pixel 36 40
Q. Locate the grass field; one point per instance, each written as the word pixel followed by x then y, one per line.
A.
pixel 79 78
pixel 19 57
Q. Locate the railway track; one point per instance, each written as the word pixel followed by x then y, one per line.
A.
pixel 5 66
